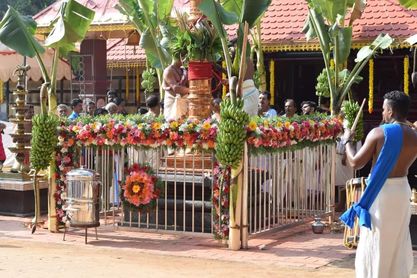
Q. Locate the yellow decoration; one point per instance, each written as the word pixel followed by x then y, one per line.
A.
pixel 127 86
pixel 224 77
pixel 1 91
pixel 332 63
pixel 406 76
pixel 272 81
pixel 137 86
pixel 371 87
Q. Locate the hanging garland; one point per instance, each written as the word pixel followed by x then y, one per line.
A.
pixel 137 86
pixel 127 85
pixel 272 81
pixel 224 77
pixel 406 76
pixel 371 87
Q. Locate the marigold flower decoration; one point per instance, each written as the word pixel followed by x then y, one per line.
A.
pixel 141 188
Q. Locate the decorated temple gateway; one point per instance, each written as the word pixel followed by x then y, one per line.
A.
pixel 193 173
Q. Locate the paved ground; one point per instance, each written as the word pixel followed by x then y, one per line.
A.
pixel 295 252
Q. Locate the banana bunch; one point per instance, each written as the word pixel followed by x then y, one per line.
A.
pixel 351 108
pixel 232 133
pixel 44 140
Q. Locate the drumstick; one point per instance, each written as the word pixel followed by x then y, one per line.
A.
pixel 355 123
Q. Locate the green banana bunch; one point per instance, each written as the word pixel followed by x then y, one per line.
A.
pixel 351 109
pixel 232 133
pixel 44 140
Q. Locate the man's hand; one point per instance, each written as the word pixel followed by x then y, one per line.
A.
pixel 347 136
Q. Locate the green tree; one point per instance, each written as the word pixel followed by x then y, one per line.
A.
pixel 25 7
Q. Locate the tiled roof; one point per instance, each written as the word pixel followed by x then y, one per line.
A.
pixel 121 54
pixel 281 25
pixel 284 20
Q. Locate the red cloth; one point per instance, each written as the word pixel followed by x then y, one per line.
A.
pixel 200 70
pixel 2 152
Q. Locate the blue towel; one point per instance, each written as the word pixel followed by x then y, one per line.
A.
pixel 385 163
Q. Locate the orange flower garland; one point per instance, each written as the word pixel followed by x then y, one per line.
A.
pixel 141 188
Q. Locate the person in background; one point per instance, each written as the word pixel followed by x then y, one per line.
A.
pixel 175 87
pixel 250 93
pixel 77 108
pixel 142 110
pixel 101 102
pixel 112 108
pixel 264 109
pixel 324 106
pixel 215 109
pixel 111 95
pixel 290 108
pixel 308 107
pixel 91 107
pixel 62 110
pixel 120 105
pixel 100 111
pixel 2 152
pixel 154 106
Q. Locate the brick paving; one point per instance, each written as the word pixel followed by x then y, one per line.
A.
pixel 294 247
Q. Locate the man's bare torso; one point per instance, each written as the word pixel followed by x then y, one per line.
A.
pixel 408 152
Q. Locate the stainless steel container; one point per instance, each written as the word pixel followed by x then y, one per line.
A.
pixel 83 196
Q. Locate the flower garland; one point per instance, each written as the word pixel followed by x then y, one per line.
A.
pixel 272 81
pixel 263 135
pixel 221 183
pixel 406 76
pixel 371 87
pixel 141 188
pixel 271 135
pixel 66 158
pixel 138 131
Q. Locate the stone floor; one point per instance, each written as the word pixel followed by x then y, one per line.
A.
pixel 294 247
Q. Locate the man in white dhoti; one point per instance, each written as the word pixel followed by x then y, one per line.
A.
pixel 384 248
pixel 176 91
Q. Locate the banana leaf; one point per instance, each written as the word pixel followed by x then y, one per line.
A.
pixel 131 9
pixel 412 40
pixel 17 32
pixel 331 8
pixel 409 4
pixel 70 26
pixel 164 8
pixel 252 10
pixel 342 37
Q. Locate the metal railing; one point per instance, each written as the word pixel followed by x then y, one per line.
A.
pixel 185 201
pixel 283 188
pixel 287 187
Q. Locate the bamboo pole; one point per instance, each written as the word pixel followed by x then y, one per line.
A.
pixel 236 186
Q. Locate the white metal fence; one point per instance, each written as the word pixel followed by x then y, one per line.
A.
pixel 282 188
pixel 286 187
pixel 185 201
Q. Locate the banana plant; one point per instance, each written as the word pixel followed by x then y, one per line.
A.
pixel 151 19
pixel 409 4
pixel 326 21
pixel 18 32
pixel 228 12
